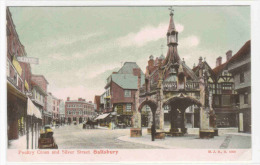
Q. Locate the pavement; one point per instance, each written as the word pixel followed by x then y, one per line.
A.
pixel 192 141
pixel 74 137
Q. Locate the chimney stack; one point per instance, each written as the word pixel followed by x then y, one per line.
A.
pixel 219 61
pixel 68 98
pixel 200 60
pixel 229 55
pixel 151 62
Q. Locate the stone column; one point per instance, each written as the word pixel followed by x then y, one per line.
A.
pixel 205 130
pixel 159 113
pixel 136 130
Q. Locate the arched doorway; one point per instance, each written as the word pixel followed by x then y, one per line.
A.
pixel 153 106
pixel 178 105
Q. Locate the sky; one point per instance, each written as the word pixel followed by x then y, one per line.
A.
pixel 79 47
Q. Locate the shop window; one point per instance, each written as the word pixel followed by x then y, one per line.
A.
pixel 242 77
pixel 127 93
pixel 128 107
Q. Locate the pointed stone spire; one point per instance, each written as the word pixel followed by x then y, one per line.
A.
pixel 171 24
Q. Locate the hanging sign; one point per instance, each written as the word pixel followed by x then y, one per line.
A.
pixel 29 60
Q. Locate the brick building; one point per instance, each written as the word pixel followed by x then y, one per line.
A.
pixel 97 104
pixel 23 116
pixel 120 92
pixel 18 82
pixel 43 84
pixel 78 111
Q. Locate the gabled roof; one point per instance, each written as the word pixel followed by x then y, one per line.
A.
pixel 245 49
pixel 128 67
pixel 127 81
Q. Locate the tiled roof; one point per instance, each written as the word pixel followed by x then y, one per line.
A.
pixel 127 81
pixel 246 48
pixel 128 67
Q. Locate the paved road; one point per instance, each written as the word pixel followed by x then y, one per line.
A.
pixel 74 137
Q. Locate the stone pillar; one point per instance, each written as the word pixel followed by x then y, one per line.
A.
pixel 205 130
pixel 160 134
pixel 136 130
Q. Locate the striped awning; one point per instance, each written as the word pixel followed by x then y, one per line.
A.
pixel 103 116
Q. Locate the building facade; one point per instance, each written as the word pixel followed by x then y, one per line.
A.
pixel 119 94
pixel 240 67
pixel 62 112
pixel 78 111
pixel 41 81
pixel 18 82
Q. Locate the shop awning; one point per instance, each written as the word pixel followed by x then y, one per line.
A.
pixel 103 116
pixel 32 110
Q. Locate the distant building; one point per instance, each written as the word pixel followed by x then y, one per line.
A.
pixel 240 67
pixel 62 112
pixel 78 111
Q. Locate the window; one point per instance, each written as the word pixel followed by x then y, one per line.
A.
pixel 128 107
pixel 80 113
pixel 246 98
pixel 216 100
pixel 127 93
pixel 74 112
pixel 242 77
pixel 226 100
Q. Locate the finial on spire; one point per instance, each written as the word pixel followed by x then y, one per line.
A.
pixel 171 9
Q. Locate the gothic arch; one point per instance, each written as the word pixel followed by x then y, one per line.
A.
pixel 182 101
pixel 152 104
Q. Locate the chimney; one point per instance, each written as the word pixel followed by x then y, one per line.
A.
pixel 79 99
pixel 136 71
pixel 83 99
pixel 229 55
pixel 219 61
pixel 151 62
pixel 200 60
pixel 68 98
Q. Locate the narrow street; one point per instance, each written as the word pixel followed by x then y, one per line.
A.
pixel 73 136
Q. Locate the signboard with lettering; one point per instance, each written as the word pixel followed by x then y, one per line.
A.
pixel 29 60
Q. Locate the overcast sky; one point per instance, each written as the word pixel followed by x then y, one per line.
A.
pixel 79 47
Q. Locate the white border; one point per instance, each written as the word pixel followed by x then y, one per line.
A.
pixel 255 40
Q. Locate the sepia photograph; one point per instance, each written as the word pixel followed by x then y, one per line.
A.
pixel 110 80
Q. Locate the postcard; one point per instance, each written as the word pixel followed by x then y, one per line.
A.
pixel 128 84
